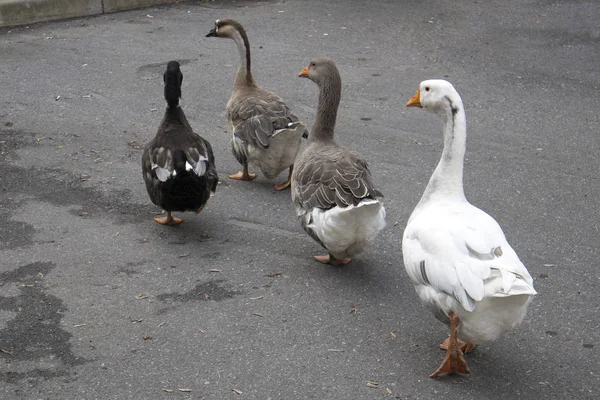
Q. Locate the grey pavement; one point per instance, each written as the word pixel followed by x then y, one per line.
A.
pixel 97 301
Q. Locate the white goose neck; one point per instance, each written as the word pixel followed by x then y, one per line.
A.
pixel 446 182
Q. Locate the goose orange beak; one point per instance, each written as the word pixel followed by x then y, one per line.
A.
pixel 304 73
pixel 415 101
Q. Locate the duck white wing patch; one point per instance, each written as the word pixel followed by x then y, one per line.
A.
pixel 162 156
pixel 201 165
pixel 161 173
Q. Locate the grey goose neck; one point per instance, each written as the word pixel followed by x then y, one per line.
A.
pixel 244 73
pixel 330 92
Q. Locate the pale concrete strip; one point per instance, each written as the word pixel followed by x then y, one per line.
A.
pixel 120 5
pixel 21 12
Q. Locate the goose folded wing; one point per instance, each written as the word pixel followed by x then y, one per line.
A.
pixel 465 259
pixel 485 243
pixel 257 120
pixel 335 181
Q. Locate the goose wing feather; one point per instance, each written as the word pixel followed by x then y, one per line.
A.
pixel 332 177
pixel 463 252
pixel 258 117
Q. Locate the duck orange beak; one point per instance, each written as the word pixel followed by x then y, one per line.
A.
pixel 415 101
pixel 304 73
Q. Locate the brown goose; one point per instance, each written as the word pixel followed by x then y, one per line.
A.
pixel 177 164
pixel 265 132
pixel 332 188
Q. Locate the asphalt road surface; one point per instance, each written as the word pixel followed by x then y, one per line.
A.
pixel 97 301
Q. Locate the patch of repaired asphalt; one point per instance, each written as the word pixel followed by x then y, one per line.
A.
pixel 11 140
pixel 35 333
pixel 211 290
pixel 54 186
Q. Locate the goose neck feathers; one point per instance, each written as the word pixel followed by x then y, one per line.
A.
pixel 230 28
pixel 325 74
pixel 440 97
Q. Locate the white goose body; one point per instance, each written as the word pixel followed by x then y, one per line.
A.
pixel 459 260
pixel 455 254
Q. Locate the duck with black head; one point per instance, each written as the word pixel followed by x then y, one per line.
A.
pixel 178 165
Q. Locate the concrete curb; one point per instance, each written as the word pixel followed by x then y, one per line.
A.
pixel 21 12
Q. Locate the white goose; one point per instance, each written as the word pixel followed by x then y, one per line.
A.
pixel 456 255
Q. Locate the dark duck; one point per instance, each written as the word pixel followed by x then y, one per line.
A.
pixel 178 165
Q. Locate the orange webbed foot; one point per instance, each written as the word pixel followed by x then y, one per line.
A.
pixel 169 220
pixel 241 176
pixel 287 183
pixel 282 186
pixel 466 348
pixel 452 364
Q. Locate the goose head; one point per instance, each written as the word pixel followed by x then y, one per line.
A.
pixel 321 70
pixel 437 96
pixel 227 28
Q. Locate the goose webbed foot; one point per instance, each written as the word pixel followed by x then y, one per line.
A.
pixel 454 362
pixel 466 348
pixel 243 175
pixel 331 260
pixel 169 220
pixel 287 183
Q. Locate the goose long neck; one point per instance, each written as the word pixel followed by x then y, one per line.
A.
pixel 244 72
pixel 330 92
pixel 447 179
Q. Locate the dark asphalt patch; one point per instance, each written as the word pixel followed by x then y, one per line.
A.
pixel 35 333
pixel 58 187
pixel 14 233
pixel 11 140
pixel 213 290
pixel 54 186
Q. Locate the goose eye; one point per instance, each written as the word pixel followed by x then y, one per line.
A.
pixel 312 64
pixel 427 88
